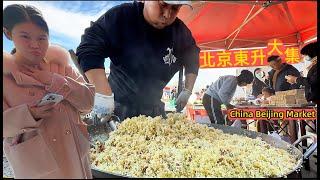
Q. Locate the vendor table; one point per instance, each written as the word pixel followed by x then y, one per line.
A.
pixel 196 110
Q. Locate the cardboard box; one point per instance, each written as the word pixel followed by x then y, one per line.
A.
pixel 300 96
pixel 301 101
pixel 280 93
pixel 273 98
pixel 289 101
pixel 288 97
pixel 295 92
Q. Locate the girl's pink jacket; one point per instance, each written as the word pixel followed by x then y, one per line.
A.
pixel 55 147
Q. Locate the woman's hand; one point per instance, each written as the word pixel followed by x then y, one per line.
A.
pixel 44 77
pixel 41 112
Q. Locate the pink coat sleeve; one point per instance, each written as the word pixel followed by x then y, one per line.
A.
pixel 74 89
pixel 17 120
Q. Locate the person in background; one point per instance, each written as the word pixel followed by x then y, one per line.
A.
pixel 266 92
pixel 278 82
pixel 198 97
pixel 263 125
pixel 173 93
pixel 311 82
pixel 207 87
pixel 47 141
pixel 202 93
pixel 277 75
pixel 221 92
pixel 258 82
pixel 147 44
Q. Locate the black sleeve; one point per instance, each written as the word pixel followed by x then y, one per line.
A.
pixel 98 42
pixel 302 81
pixel 190 52
pixel 270 83
pixel 296 73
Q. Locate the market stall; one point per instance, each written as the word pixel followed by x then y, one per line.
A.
pixel 265 27
pixel 245 24
pixel 252 25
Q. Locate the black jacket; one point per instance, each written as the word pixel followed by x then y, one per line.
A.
pixel 257 87
pixel 311 84
pixel 281 82
pixel 143 58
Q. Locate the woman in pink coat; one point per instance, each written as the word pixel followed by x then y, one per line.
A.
pixel 48 141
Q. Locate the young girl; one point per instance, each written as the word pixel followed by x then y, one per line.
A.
pixel 266 93
pixel 48 141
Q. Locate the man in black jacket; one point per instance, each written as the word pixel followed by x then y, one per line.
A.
pixel 277 80
pixel 311 82
pixel 147 45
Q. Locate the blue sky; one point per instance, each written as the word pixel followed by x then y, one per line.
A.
pixel 66 19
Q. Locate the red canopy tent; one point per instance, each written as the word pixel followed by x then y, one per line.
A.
pixel 241 24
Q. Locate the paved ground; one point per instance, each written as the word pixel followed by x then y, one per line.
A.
pixel 7 172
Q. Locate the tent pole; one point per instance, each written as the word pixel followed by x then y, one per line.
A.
pixel 180 82
pixel 290 19
pixel 240 26
pixel 244 22
pixel 209 47
pixel 265 5
pixel 211 42
pixel 249 40
pixel 194 13
pixel 308 29
pixel 300 43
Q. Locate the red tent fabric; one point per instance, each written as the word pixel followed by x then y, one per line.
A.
pixel 214 24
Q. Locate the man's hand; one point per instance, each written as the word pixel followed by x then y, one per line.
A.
pixel 103 105
pixel 41 112
pixel 291 79
pixel 230 106
pixel 182 99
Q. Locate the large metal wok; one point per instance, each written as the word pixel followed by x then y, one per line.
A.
pixel 100 132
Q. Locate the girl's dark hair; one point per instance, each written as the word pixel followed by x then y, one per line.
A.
pixel 310 49
pixel 13 51
pixel 245 76
pixel 269 90
pixel 18 13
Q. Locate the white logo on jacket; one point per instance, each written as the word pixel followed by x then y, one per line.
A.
pixel 169 58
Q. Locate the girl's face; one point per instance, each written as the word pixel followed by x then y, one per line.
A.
pixel 31 42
